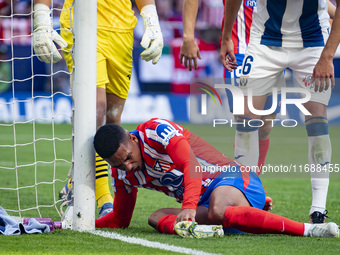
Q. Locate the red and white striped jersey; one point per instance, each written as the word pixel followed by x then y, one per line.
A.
pixel 241 28
pixel 167 150
pixel 158 137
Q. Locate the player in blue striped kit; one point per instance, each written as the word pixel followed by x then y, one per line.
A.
pixel 293 34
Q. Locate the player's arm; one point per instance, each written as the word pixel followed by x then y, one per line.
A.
pixel 189 49
pixel 324 69
pixel 331 9
pixel 44 35
pixel 123 206
pixel 152 40
pixel 185 160
pixel 227 55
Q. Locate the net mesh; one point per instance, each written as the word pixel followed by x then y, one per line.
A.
pixel 35 118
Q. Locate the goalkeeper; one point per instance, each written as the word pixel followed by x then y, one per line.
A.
pixel 115 24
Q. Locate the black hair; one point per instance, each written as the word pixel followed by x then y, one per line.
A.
pixel 108 139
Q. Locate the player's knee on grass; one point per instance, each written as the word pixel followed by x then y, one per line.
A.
pixel 152 220
pixel 202 215
pixel 215 214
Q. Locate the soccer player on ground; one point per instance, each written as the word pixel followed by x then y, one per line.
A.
pixel 289 34
pixel 114 61
pixel 240 37
pixel 213 189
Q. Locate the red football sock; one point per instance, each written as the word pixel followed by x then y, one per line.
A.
pixel 256 221
pixel 166 224
pixel 263 149
pixel 107 221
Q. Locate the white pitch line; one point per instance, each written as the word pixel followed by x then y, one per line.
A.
pixel 151 244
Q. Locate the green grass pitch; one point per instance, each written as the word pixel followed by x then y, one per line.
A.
pixel 291 194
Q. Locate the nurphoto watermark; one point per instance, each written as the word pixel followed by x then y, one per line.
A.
pixel 242 97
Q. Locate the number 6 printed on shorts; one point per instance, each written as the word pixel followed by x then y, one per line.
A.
pixel 247 65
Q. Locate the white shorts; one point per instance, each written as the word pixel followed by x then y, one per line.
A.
pixel 263 66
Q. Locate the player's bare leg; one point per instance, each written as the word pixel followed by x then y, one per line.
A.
pixel 114 109
pixel 319 155
pixel 217 205
pixel 167 226
pixel 101 107
pixel 240 215
pixel 236 213
pixel 220 199
pixel 229 207
pixel 163 220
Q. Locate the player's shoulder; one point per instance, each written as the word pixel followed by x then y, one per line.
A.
pixel 159 125
pixel 160 130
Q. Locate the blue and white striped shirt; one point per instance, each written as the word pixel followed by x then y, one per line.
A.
pixel 290 23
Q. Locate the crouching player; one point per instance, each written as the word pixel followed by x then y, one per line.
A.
pixel 163 156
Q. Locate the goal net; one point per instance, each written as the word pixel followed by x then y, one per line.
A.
pixel 40 132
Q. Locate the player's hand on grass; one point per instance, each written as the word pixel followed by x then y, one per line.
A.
pixel 186 214
pixel 323 74
pixel 152 40
pixel 227 55
pixel 189 52
pixel 44 35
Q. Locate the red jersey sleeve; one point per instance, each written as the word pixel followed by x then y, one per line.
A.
pixel 123 207
pixel 167 137
pixel 185 160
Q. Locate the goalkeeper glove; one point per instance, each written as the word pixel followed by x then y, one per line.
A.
pixel 44 35
pixel 152 39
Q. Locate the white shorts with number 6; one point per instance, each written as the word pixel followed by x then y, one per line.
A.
pixel 263 66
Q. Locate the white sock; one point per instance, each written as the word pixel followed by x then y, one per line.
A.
pixel 319 194
pixel 319 155
pixel 247 148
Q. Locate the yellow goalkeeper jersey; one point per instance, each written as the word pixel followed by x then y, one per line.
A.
pixel 112 15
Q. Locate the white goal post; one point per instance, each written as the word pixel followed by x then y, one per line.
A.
pixel 84 91
pixel 38 146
